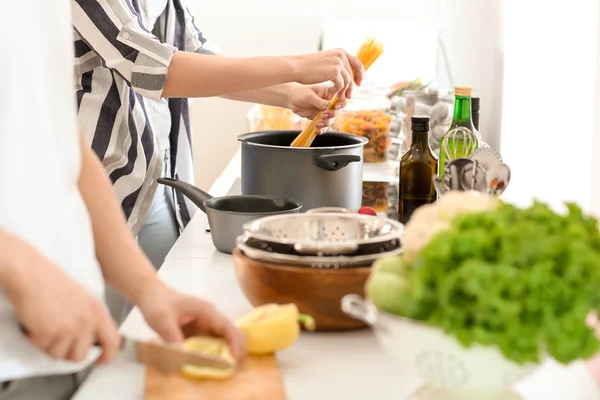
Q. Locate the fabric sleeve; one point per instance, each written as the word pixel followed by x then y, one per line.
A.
pixel 114 31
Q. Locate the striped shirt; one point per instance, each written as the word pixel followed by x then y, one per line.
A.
pixel 122 52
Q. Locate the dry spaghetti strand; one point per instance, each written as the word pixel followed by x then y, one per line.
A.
pixel 368 53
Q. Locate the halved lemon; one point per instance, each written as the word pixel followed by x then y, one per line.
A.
pixel 272 327
pixel 209 346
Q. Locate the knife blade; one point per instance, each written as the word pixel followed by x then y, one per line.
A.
pixel 166 357
pixel 171 358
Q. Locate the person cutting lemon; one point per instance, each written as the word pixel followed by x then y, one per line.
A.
pixel 136 64
pixel 62 232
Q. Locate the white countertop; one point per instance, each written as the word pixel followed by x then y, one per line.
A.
pixel 327 366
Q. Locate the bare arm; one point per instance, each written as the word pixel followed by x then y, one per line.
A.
pixel 201 75
pixel 14 254
pixel 123 263
pixel 61 317
pixel 278 96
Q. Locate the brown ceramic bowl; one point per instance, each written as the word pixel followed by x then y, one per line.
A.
pixel 316 292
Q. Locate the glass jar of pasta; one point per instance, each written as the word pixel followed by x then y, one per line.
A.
pixel 367 114
pixel 266 118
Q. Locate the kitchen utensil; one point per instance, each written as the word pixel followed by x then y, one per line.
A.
pixel 462 135
pixel 325 234
pixel 439 185
pixel 165 356
pixel 486 157
pixel 227 215
pixel 472 176
pixel 255 378
pixel 316 292
pixel 256 251
pixel 171 358
pixel 328 174
pixel 454 178
pixel 497 179
pixel 449 370
pixel 325 252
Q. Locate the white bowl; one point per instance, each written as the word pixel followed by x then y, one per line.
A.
pixel 450 370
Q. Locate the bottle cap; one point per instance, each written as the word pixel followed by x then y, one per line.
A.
pixel 475 104
pixel 463 91
pixel 420 123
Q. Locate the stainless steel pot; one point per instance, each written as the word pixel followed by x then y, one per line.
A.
pixel 327 174
pixel 228 214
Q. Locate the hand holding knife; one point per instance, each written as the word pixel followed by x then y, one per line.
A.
pixel 165 356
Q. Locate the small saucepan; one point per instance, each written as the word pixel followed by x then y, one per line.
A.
pixel 228 214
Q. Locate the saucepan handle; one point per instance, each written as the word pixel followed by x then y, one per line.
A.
pixel 335 162
pixel 356 307
pixel 196 195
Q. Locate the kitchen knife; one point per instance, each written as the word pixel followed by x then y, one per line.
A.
pixel 167 357
pixel 171 358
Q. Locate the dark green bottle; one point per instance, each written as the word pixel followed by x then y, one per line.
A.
pixel 475 103
pixel 461 138
pixel 417 169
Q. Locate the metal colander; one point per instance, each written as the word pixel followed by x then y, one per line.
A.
pixel 245 244
pixel 324 234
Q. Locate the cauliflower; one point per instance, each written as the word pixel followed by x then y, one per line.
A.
pixel 431 219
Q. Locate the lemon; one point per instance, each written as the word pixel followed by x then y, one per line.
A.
pixel 272 328
pixel 209 346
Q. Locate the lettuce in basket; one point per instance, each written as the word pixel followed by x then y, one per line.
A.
pixel 519 279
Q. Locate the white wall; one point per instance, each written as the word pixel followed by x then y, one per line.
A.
pixel 472 32
pixel 549 100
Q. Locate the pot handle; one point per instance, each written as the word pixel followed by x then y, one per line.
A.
pixel 356 307
pixel 329 210
pixel 196 195
pixel 335 162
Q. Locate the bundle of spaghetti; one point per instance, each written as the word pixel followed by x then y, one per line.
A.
pixel 370 51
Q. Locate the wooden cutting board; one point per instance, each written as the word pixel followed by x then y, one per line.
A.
pixel 258 378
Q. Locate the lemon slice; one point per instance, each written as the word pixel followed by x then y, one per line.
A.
pixel 209 346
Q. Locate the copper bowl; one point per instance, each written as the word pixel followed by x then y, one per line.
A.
pixel 315 291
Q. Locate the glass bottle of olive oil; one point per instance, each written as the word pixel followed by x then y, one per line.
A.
pixel 417 169
pixel 461 138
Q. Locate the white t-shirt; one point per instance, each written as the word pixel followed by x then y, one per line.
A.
pixel 159 113
pixel 40 165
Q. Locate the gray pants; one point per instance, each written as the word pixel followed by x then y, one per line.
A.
pixel 160 230
pixel 54 387
pixel 156 238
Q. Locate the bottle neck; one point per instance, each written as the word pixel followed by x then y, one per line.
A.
pixel 462 111
pixel 420 139
pixel 475 119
